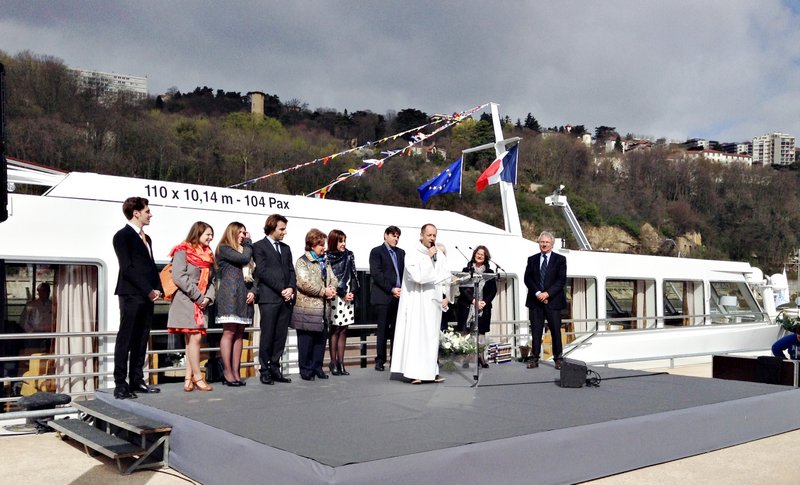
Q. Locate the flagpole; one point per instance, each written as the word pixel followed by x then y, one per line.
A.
pixel 510 211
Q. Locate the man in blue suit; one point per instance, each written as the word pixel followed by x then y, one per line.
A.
pixel 138 287
pixel 545 278
pixel 386 264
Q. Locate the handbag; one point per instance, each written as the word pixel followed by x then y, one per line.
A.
pixel 167 284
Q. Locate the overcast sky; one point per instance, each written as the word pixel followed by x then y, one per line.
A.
pixel 721 69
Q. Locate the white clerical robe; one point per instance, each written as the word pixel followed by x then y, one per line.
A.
pixel 415 347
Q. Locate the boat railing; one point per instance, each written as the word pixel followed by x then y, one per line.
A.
pixel 515 332
pixel 359 351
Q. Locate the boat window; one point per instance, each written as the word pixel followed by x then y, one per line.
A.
pixel 683 302
pixel 733 302
pixel 580 316
pixel 43 298
pixel 630 304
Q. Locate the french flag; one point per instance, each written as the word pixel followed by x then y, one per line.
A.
pixel 503 169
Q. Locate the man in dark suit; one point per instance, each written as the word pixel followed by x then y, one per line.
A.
pixel 386 264
pixel 277 284
pixel 545 278
pixel 138 287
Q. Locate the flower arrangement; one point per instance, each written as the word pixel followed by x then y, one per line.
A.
pixel 453 343
pixel 792 324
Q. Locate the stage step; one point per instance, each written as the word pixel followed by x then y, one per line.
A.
pixel 104 427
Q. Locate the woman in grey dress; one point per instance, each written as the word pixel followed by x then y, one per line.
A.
pixel 235 297
pixel 192 271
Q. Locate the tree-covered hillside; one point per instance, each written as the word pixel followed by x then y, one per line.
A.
pixel 208 136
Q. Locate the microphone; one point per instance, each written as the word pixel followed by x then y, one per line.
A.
pixel 433 258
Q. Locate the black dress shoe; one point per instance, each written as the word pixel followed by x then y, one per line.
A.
pixel 123 393
pixel 379 366
pixel 143 388
pixel 558 364
pixel 334 369
pixel 266 379
pixel 307 377
pixel 532 364
pixel 280 378
pixel 320 374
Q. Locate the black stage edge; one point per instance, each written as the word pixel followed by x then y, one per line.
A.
pixel 518 426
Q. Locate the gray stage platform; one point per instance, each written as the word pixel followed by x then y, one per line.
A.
pixel 517 427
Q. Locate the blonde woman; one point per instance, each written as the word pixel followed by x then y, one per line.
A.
pixel 193 273
pixel 235 297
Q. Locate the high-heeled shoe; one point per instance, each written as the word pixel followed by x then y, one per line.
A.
pixel 342 370
pixel 241 382
pixel 202 385
pixel 334 368
pixel 188 385
pixel 226 382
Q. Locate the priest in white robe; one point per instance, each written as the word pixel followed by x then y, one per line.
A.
pixel 424 295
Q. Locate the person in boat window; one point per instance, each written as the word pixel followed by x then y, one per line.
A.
pixel 316 288
pixel 545 278
pixel 37 316
pixel 342 263
pixel 235 297
pixel 386 265
pixel 138 287
pixel 277 284
pixel 789 343
pixel 487 290
pixel 193 268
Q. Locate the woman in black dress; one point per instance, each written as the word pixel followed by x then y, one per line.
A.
pixel 235 298
pixel 465 305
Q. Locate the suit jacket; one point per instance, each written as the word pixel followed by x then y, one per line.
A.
pixel 274 272
pixel 381 271
pixel 554 280
pixel 138 274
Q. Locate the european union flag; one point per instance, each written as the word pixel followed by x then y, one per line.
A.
pixel 447 181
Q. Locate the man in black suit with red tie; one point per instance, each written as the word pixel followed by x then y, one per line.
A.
pixel 545 278
pixel 138 287
pixel 386 264
pixel 277 284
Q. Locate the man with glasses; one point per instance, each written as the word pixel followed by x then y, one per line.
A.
pixel 545 278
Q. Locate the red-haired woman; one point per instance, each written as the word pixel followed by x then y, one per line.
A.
pixel 192 271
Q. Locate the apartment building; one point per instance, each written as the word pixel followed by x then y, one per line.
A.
pixel 774 149
pixel 108 85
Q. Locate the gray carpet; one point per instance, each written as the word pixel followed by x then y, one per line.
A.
pixel 518 423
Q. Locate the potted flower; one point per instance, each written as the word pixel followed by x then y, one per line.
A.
pixel 453 347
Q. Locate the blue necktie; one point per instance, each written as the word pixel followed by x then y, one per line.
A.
pixel 396 270
pixel 542 272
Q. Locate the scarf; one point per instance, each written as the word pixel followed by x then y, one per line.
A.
pixel 201 257
pixel 342 264
pixel 477 269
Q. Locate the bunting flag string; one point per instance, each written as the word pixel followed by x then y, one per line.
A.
pixel 416 139
pixel 436 120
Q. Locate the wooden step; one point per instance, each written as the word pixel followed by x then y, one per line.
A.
pixel 96 439
pixel 121 418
